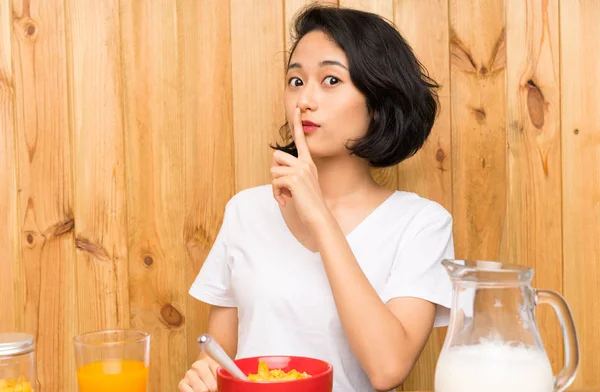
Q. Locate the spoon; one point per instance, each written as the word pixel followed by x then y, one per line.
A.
pixel 210 347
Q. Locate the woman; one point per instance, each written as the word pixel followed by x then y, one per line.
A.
pixel 324 262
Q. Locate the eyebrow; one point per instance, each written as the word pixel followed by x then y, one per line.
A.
pixel 321 64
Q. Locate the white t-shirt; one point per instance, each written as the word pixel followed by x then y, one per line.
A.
pixel 285 305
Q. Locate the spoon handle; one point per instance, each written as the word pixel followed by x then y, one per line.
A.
pixel 210 347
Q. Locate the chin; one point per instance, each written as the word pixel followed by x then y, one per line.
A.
pixel 317 154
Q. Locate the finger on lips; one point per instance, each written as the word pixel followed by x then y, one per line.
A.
pixel 299 138
pixel 285 165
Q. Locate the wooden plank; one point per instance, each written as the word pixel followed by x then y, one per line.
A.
pixel 93 39
pixel 478 104
pixel 207 115
pixel 388 176
pixel 45 183
pixel 532 232
pixel 478 115
pixel 580 94
pixel 292 7
pixel 154 142
pixel 384 8
pixel 11 284
pixel 258 69
pixel 429 172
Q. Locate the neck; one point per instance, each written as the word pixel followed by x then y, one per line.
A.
pixel 342 178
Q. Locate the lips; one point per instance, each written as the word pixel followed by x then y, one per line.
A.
pixel 309 126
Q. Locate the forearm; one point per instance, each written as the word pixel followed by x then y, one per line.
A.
pixel 223 327
pixel 375 334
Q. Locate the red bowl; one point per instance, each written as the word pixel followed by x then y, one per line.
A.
pixel 321 372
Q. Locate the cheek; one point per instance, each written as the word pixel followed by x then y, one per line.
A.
pixel 290 104
pixel 356 118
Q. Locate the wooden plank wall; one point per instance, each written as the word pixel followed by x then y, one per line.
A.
pixel 125 126
pixel 10 263
pixel 580 137
pixel 534 153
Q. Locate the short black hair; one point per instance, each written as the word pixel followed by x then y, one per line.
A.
pixel 400 95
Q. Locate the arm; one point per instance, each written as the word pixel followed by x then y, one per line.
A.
pixel 223 326
pixel 386 339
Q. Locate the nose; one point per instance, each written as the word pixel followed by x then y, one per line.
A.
pixel 307 99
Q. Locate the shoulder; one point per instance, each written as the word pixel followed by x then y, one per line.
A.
pixel 251 196
pixel 250 202
pixel 420 211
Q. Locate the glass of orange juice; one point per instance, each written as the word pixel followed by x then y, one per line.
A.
pixel 112 361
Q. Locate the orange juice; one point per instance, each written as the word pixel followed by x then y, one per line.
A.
pixel 113 376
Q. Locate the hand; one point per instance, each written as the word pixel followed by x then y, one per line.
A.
pixel 202 377
pixel 297 178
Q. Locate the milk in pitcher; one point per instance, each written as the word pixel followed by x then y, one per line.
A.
pixel 493 367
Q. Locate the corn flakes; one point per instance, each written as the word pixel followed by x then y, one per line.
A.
pixel 20 385
pixel 264 374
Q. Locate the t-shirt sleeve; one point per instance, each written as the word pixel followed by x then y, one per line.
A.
pixel 417 270
pixel 213 283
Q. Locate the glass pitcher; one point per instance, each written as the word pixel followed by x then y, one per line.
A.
pixel 493 343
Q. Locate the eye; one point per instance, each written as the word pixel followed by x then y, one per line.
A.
pixel 331 80
pixel 295 82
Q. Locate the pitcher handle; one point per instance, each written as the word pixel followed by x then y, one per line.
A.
pixel 566 376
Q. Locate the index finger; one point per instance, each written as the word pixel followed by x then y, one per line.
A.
pixel 299 138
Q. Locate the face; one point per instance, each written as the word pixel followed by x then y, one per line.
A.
pixel 333 110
